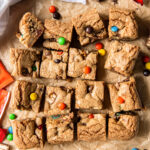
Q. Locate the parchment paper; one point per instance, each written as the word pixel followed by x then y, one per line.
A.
pixel 68 10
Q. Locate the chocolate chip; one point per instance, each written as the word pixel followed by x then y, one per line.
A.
pixel 115 1
pixel 89 29
pixel 89 89
pixel 24 71
pixel 57 61
pixel 146 72
pixel 56 15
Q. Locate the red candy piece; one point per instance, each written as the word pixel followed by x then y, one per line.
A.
pixel 99 46
pixel 60 53
pixel 120 100
pixel 40 126
pixel 3 133
pixel 91 116
pixel 139 1
pixel 146 59
pixel 52 9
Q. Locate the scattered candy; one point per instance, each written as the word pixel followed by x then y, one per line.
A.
pixel 10 130
pixel 56 15
pixel 4 98
pixel 120 100
pixel 5 77
pixel 3 133
pixel 139 1
pixel 147 65
pixel 99 46
pixel 89 29
pixel 146 72
pixel 33 96
pixel 61 106
pixel 102 52
pixel 87 70
pixel 60 53
pixel 10 137
pixel 61 40
pixel 12 116
pixel 57 61
pixel 135 149
pixel 56 116
pixel 91 116
pixel 146 59
pixel 114 29
pixel 34 68
pixel 52 9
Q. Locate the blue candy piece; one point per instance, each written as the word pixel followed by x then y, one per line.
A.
pixel 114 29
pixel 10 130
pixel 135 149
pixel 56 116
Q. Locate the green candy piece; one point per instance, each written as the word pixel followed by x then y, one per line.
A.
pixel 117 114
pixel 10 137
pixel 34 68
pixel 12 116
pixel 61 40
pixel 56 116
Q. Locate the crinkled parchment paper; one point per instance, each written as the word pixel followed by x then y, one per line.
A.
pixel 68 10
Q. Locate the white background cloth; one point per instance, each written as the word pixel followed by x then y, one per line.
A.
pixel 4 13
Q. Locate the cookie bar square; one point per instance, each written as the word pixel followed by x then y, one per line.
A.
pixel 54 64
pixel 54 30
pixel 122 57
pixel 60 129
pixel 82 64
pixel 26 62
pixel 57 100
pixel 122 126
pixel 122 24
pixel 30 29
pixel 91 127
pixel 124 96
pixel 27 95
pixel 89 27
pixel 89 94
pixel 28 133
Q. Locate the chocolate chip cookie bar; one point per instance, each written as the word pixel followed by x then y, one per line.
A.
pixel 82 64
pixel 91 127
pixel 60 129
pixel 122 127
pixel 27 95
pixel 26 62
pixel 89 94
pixel 122 57
pixel 30 29
pixel 122 24
pixel 124 96
pixel 28 133
pixel 57 34
pixel 54 64
pixel 57 100
pixel 89 27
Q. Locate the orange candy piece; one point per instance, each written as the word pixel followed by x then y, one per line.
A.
pixel 61 106
pixel 120 100
pixel 52 9
pixel 87 70
pixel 91 116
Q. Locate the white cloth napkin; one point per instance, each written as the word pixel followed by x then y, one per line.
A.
pixel 4 13
pixel 76 1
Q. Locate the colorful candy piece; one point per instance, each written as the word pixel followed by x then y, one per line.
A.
pixel 3 133
pixel 40 126
pixel 34 68
pixel 147 65
pixel 33 96
pixel 10 130
pixel 87 70
pixel 56 116
pixel 4 98
pixel 120 100
pixel 146 59
pixel 146 72
pixel 60 53
pixel 12 116
pixel 114 29
pixel 52 9
pixel 135 149
pixel 10 137
pixel 5 77
pixel 61 106
pixel 139 1
pixel 102 52
pixel 91 116
pixel 61 40
pixel 99 46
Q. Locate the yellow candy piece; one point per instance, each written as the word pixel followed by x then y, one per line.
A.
pixel 102 52
pixel 33 96
pixel 147 66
